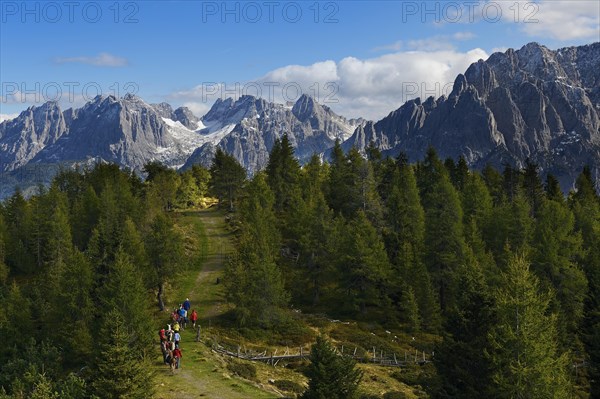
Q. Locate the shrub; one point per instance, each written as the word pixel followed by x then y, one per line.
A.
pixel 244 370
pixel 289 386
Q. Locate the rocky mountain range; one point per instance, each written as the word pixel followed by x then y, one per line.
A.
pixel 256 123
pixel 530 103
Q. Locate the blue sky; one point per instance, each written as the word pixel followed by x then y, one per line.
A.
pixel 361 58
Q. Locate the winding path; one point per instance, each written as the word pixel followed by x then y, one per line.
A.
pixel 203 373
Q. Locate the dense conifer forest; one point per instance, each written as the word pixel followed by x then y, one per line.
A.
pixel 500 265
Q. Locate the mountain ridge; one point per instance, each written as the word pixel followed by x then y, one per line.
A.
pixel 528 104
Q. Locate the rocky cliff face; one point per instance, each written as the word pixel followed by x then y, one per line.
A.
pixel 255 124
pixel 22 138
pixel 531 103
pixel 126 131
pixel 181 114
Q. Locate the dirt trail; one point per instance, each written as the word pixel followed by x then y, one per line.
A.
pixel 202 374
pixel 210 300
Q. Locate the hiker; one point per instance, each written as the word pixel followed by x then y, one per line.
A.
pixel 177 355
pixel 163 335
pixel 176 339
pixel 168 356
pixel 186 304
pixel 194 317
pixel 164 350
pixel 175 315
pixel 182 317
pixel 176 327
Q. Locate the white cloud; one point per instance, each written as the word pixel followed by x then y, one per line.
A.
pixel 198 108
pixel 5 117
pixel 499 49
pixel 353 87
pixel 102 59
pixel 557 19
pixel 437 42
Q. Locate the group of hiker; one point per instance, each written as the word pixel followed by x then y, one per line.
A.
pixel 170 338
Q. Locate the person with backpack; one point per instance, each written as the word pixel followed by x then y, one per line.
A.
pixel 186 304
pixel 176 339
pixel 182 317
pixel 177 355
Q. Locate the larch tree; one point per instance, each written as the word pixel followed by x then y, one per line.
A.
pixel 523 343
pixel 165 250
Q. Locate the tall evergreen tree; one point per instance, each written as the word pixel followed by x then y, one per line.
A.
pixel 312 225
pixel 552 188
pixel 252 277
pixel 363 264
pixel 523 343
pixel 227 178
pixel 532 186
pixel 330 376
pixel 494 182
pixel 124 291
pixel 20 251
pixel 120 371
pixel 72 305
pixel 460 361
pixel 556 249
pixel 165 250
pixel 444 241
pixel 283 173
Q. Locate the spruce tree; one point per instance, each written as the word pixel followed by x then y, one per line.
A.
pixel 72 305
pixel 532 185
pixel 459 359
pixel 363 264
pixel 330 376
pixel 283 173
pixel 552 188
pixel 227 178
pixel 124 290
pixel 20 251
pixel 338 190
pixel 120 371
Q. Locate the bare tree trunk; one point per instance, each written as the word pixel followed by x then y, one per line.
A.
pixel 159 297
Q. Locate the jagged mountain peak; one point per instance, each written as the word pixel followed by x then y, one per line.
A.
pixel 306 107
pixel 165 110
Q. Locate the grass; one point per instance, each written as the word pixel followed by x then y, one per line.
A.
pixel 203 373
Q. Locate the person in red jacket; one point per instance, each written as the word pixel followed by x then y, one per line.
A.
pixel 177 356
pixel 194 317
